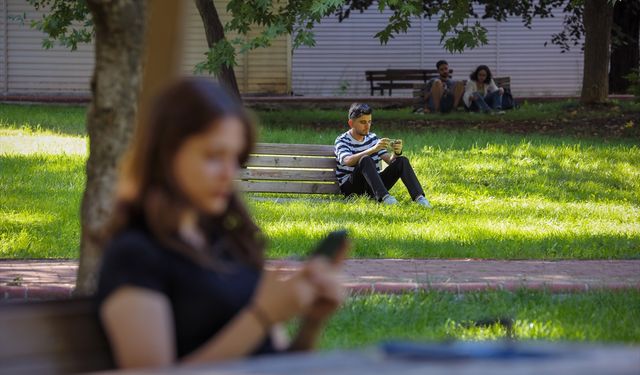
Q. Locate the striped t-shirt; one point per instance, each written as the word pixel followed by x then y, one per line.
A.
pixel 346 145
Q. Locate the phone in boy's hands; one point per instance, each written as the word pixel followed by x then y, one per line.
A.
pixel 392 142
pixel 331 245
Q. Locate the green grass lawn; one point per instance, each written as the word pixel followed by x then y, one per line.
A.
pixel 495 195
pixel 436 316
pixel 528 111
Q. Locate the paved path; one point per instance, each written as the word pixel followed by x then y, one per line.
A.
pixel 45 279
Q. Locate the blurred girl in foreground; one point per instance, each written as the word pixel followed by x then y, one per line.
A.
pixel 182 278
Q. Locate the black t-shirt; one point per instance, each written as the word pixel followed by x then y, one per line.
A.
pixel 203 300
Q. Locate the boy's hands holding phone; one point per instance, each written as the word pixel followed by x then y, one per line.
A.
pixel 396 146
pixel 383 143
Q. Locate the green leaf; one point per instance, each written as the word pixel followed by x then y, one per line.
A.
pixel 221 54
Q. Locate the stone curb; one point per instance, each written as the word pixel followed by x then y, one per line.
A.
pixel 49 292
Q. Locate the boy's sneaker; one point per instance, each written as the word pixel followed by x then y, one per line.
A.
pixel 389 200
pixel 422 201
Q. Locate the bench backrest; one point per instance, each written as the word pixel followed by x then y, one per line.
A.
pixel 504 82
pixel 376 75
pixel 411 74
pixel 52 337
pixel 402 74
pixel 290 168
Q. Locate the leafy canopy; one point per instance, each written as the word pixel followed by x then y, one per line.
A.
pixel 66 21
pixel 257 23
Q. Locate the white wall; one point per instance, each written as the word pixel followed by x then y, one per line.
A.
pixel 26 68
pixel 342 54
pixel 345 50
pixel 32 69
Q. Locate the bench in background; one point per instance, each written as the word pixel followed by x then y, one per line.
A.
pixel 52 337
pixel 399 79
pixel 290 168
pixel 373 76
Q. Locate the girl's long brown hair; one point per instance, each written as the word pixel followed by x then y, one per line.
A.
pixel 148 192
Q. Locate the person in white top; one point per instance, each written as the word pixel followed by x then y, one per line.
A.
pixel 481 92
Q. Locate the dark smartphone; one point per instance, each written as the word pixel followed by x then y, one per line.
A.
pixel 330 245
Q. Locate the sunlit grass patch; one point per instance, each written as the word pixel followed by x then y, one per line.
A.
pixel 435 316
pixel 39 205
pixel 19 142
pixel 57 119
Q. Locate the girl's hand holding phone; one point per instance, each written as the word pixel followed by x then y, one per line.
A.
pixel 323 270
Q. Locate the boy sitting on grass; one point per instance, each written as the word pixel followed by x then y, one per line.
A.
pixel 358 154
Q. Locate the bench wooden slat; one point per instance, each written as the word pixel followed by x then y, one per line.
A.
pixel 393 78
pixel 381 76
pixel 293 149
pixel 287 174
pixel 411 74
pixel 291 162
pixel 313 169
pixel 397 85
pixel 504 82
pixel 288 187
pixel 52 337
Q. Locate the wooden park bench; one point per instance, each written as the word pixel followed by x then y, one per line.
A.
pixel 52 337
pixel 420 91
pixel 290 168
pixel 399 79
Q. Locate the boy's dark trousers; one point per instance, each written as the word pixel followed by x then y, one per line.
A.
pixel 365 179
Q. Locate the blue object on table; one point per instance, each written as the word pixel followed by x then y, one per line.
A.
pixel 463 350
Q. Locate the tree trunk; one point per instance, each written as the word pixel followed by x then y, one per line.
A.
pixel 119 28
pixel 214 30
pixel 626 57
pixel 597 18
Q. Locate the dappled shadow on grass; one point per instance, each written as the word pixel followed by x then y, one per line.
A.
pixel 478 245
pixel 545 210
pixel 493 228
pixel 473 164
pixel 61 119
pixel 547 119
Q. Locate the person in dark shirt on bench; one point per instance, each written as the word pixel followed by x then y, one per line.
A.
pixel 183 278
pixel 443 94
pixel 358 154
